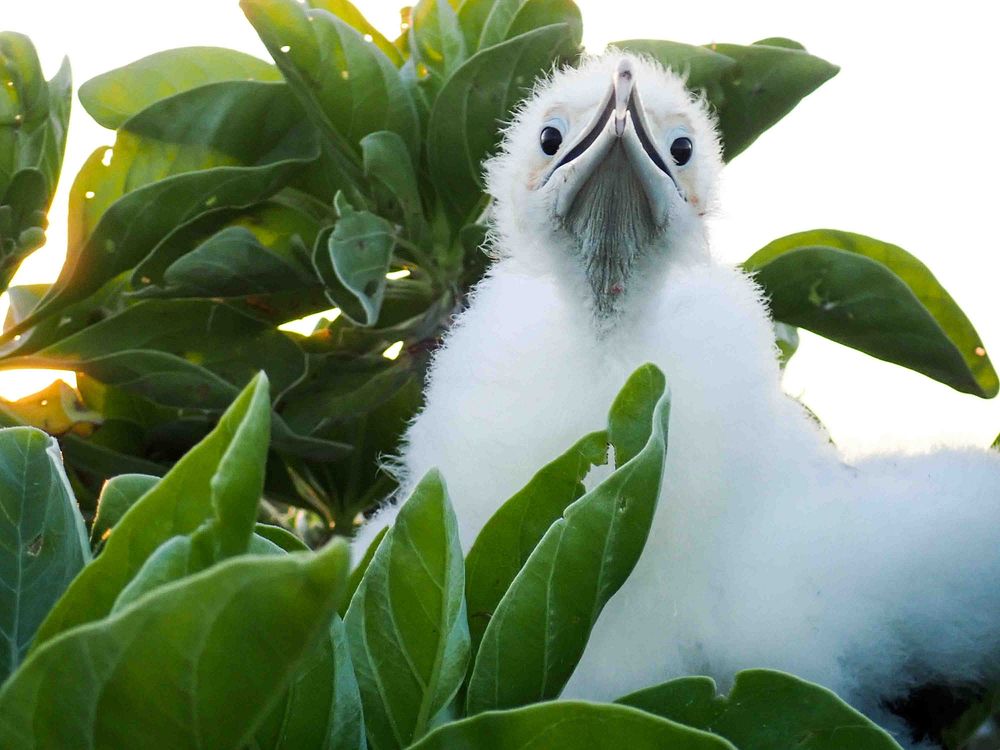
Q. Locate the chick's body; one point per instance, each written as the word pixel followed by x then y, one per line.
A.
pixel 766 550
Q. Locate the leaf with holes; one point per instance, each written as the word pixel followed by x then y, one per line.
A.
pixel 540 628
pixel 513 532
pixel 347 85
pixel 43 541
pixel 354 18
pixel 154 676
pixel 163 161
pixel 358 251
pixel 764 710
pixel 877 298
pixel 406 623
pixel 216 478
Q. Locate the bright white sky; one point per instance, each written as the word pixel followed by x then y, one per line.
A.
pixel 901 146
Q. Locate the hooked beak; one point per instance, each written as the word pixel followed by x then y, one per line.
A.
pixel 620 122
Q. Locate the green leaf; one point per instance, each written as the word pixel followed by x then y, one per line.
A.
pixel 113 97
pixel 118 495
pixel 786 338
pixel 322 708
pixel 358 252
pixel 769 83
pixel 406 623
pixel 219 478
pixel 540 628
pixel 498 22
pixel 33 119
pixel 749 87
pixel 347 85
pixel 286 540
pixel 183 156
pixel 764 710
pixel 358 574
pixel 535 14
pixel 350 15
pixel 569 724
pixel 195 664
pixel 43 542
pixel 631 416
pixel 474 102
pixel 388 163
pixel 233 254
pixel 436 40
pixel 877 298
pixel 513 532
pixel 184 353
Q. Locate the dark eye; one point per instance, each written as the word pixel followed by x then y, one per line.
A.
pixel 550 139
pixel 681 150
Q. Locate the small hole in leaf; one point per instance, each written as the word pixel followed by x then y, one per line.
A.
pixel 404 26
pixel 106 159
pixel 286 48
pixel 393 351
pixel 980 352
pixel 34 546
pixel 9 84
pixel 345 74
pixel 369 38
pixel 44 402
pixel 18 119
pixel 89 194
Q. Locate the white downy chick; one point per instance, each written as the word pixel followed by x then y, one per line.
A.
pixel 767 550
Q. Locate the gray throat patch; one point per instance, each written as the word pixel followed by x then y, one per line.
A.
pixel 611 221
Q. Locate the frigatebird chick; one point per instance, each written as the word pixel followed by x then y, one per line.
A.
pixel 767 549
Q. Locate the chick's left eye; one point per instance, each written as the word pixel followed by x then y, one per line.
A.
pixel 550 139
pixel 681 149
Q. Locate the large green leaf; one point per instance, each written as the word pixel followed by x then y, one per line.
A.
pixel 252 252
pixel 763 711
pixel 113 97
pixel 479 96
pixel 540 628
pixel 346 84
pixel 569 724
pixel 43 541
pixel 406 623
pixel 750 87
pixel 513 532
pixel 353 261
pixel 874 297
pixel 174 161
pixel 184 353
pixel 212 480
pixel 353 17
pixel 322 708
pixel 194 664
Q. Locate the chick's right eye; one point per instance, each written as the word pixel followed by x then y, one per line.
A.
pixel 550 140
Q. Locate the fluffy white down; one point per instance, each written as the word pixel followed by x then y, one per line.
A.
pixel 767 550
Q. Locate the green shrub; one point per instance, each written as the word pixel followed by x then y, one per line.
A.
pixel 240 195
pixel 195 627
